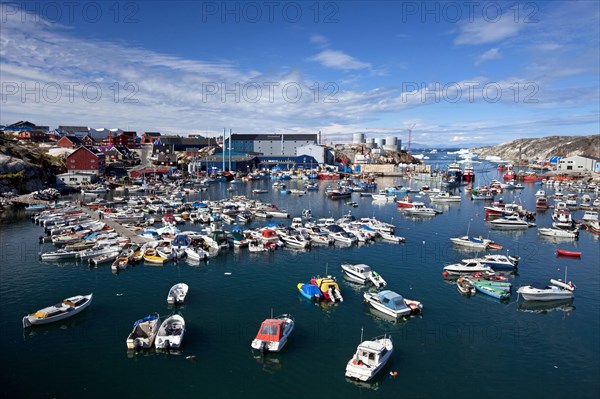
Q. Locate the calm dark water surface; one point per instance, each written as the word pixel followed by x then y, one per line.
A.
pixel 459 345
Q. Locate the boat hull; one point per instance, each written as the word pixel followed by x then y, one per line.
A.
pixel 33 320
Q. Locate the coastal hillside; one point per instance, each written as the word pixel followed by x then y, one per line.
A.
pixel 543 148
pixel 24 169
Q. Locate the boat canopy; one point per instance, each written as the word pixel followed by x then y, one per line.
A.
pixel 270 330
pixel 473 239
pixel 311 290
pixel 145 319
pixel 362 268
pixel 392 300
pixel 326 283
pixel 181 240
pixel 269 233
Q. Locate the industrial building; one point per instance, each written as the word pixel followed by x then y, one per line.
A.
pixel 270 144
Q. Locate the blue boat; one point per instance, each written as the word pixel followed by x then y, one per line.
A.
pixel 310 291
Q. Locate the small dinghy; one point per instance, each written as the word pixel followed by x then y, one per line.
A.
pixel 465 286
pixel 170 333
pixel 570 254
pixel 177 293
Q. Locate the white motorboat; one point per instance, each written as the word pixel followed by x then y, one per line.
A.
pixel 144 332
pixel 67 308
pixel 445 196
pixel 496 261
pixel 511 222
pixel 590 216
pixel 362 274
pixel 256 246
pixel 392 303
pixel 556 290
pixel 295 240
pixel 419 209
pixel 370 357
pixel 344 237
pixel 196 253
pixel 391 237
pixel 477 243
pixel 177 293
pixel 60 254
pixel 467 268
pixel 554 232
pixel 273 333
pixel 170 333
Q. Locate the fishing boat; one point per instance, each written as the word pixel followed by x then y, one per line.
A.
pixel 404 203
pixel 177 293
pixel 362 274
pixel 120 263
pixel 392 303
pixel 329 288
pixel 170 333
pixel 144 332
pixel 273 333
pixel 67 308
pixel 465 286
pixel 570 254
pixel 556 290
pixel 370 357
pixel 310 291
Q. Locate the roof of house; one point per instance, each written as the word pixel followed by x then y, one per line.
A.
pixel 153 134
pixel 73 128
pixel 73 139
pixel 275 137
pixel 176 140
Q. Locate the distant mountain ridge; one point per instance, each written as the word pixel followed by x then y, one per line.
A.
pixel 543 148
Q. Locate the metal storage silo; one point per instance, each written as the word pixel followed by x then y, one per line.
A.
pixel 358 138
pixel 379 142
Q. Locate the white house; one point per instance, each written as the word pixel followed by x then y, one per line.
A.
pixel 75 179
pixel 578 163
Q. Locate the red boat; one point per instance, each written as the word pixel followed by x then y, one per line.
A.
pixel 404 203
pixel 570 254
pixel 328 175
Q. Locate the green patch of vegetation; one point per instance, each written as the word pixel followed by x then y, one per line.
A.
pixel 14 178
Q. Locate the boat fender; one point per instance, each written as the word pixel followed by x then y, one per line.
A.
pixel 445 274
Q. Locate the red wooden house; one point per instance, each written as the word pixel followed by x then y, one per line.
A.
pixel 69 141
pixel 86 159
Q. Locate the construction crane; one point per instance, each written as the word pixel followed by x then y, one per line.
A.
pixel 392 129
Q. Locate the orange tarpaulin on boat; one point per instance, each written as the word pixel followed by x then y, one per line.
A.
pixel 270 330
pixel 269 233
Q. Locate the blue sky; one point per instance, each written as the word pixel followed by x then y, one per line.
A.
pixel 464 73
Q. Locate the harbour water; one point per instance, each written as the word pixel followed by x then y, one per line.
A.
pixel 475 346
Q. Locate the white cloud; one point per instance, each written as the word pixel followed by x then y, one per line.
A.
pixel 491 54
pixel 338 60
pixel 481 31
pixel 319 40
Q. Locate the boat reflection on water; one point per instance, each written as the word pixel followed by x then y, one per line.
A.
pixel 377 315
pixel 270 362
pixel 46 329
pixel 565 305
